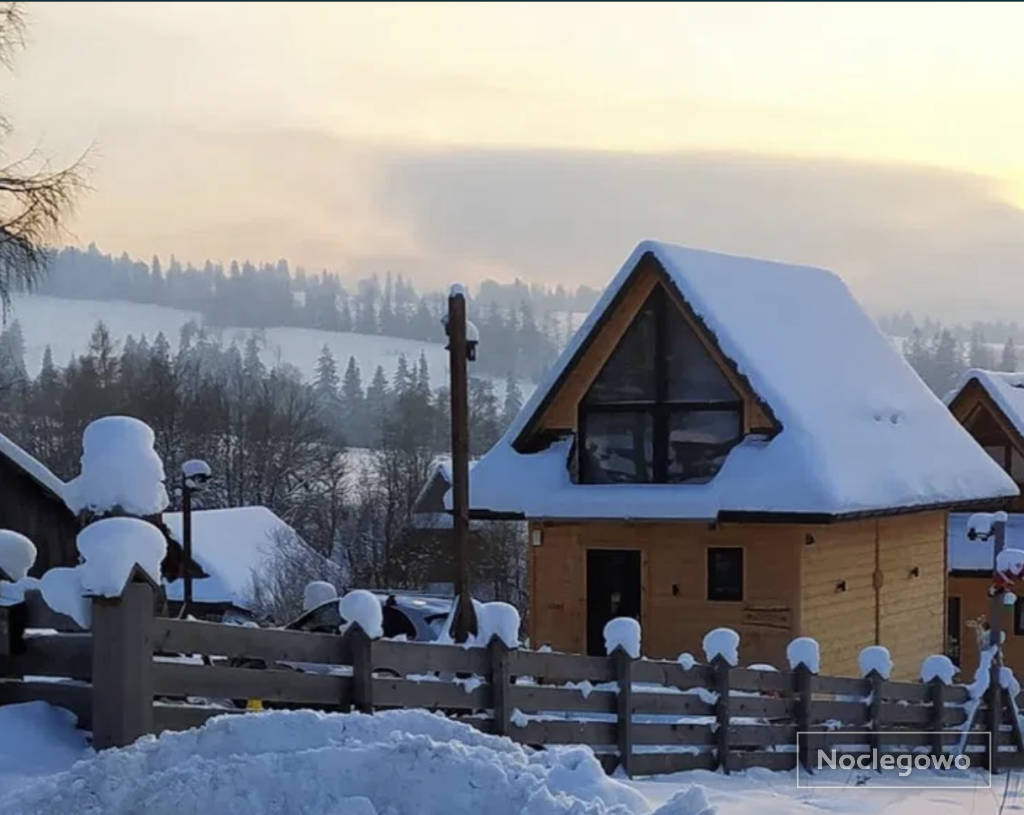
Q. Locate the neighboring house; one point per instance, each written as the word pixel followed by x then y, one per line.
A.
pixel 32 503
pixel 229 547
pixel 733 442
pixel 990 405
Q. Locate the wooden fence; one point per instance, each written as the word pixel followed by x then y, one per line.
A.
pixel 135 673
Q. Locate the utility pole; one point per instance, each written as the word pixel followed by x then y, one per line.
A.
pixel 459 352
pixel 186 545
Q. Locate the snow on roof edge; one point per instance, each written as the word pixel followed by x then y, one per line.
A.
pixel 33 467
pixel 995 383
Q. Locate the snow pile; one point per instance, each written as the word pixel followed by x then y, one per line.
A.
pixel 112 548
pixel 62 591
pixel 316 593
pixel 804 651
pixel 11 594
pixel 1009 599
pixel 980 684
pixel 308 763
pixel 444 637
pixel 875 658
pixel 624 633
pixel 42 739
pixel 722 642
pixel 1009 682
pixel 686 661
pixel 1010 561
pixel 938 666
pixel 195 469
pixel 363 608
pixel 980 523
pixel 499 620
pixel 120 468
pixel 17 555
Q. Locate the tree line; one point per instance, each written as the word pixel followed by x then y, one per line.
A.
pixel 273 439
pixel 522 327
pixel 941 359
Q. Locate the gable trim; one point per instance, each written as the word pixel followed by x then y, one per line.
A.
pixel 984 399
pixel 647 262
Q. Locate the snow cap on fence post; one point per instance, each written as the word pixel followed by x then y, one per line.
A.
pixel 938 667
pixel 317 592
pixel 117 551
pixel 362 608
pixel 804 651
pixel 875 659
pixel 1009 682
pixel 499 621
pixel 722 643
pixel 17 555
pixel 624 633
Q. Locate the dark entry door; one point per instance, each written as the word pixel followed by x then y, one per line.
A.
pixel 613 590
pixel 953 643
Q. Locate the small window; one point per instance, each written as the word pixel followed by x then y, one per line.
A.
pixel 725 575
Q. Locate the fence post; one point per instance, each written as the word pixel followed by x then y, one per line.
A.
pixel 362 668
pixel 721 668
pixel 501 684
pixel 803 690
pixel 122 665
pixel 13 622
pixel 624 708
pixel 875 708
pixel 937 695
pixel 994 716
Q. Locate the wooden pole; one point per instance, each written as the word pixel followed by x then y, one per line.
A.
pixel 186 542
pixel 464 623
pixel 995 695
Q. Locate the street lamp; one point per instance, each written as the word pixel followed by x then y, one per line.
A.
pixel 194 476
pixel 463 339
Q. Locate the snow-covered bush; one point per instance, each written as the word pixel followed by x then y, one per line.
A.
pixel 111 548
pixel 363 608
pixel 722 642
pixel 316 593
pixel 938 666
pixel 119 469
pixel 875 658
pixel 804 651
pixel 499 620
pixel 17 555
pixel 624 633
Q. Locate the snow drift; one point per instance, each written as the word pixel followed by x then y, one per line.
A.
pixel 308 763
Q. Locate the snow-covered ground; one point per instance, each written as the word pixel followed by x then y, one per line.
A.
pixel 297 346
pixel 408 763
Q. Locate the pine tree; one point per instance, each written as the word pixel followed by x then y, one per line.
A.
pixel 326 382
pixel 423 375
pixel 1008 359
pixel 513 402
pixel 403 381
pixel 948 362
pixel 979 354
pixel 377 393
pixel 352 384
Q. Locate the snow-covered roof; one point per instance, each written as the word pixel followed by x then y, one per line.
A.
pixel 428 506
pixel 1006 390
pixel 976 555
pixel 860 431
pixel 32 467
pixel 230 545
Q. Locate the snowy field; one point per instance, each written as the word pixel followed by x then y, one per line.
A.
pixel 402 763
pixel 65 325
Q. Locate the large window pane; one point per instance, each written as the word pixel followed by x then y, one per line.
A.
pixel 691 372
pixel 628 375
pixel 698 442
pixel 618 447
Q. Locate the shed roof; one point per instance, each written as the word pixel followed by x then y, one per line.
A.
pixel 860 433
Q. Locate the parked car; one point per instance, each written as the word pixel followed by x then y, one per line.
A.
pixel 419 618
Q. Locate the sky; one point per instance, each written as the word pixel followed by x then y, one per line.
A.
pixel 472 140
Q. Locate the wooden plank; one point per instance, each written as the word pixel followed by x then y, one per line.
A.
pixel 672 674
pixel 763 735
pixel 665 763
pixel 552 732
pixel 761 707
pixel 841 685
pixel 74 697
pixel 42 616
pixel 58 655
pixel 271 644
pixel 500 681
pixel 178 680
pixel 555 667
pixel 186 717
pixel 673 734
pixel 744 679
pixel 404 693
pixel 896 715
pixel 409 658
pixel 670 704
pixel 852 713
pixel 906 692
pixel 541 698
pixel 769 760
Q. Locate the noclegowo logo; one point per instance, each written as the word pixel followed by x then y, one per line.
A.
pixel 890 764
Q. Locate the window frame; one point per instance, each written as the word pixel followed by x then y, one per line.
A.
pixel 660 410
pixel 709 593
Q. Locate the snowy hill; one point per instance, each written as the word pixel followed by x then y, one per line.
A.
pixel 65 325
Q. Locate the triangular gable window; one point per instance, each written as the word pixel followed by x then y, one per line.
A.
pixel 661 410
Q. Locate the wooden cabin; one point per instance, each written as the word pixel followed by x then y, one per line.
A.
pixel 733 442
pixel 990 405
pixel 32 503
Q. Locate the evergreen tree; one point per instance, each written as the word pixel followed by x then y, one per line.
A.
pixel 979 354
pixel 513 402
pixel 403 376
pixel 326 382
pixel 1008 359
pixel 948 362
pixel 423 375
pixel 377 395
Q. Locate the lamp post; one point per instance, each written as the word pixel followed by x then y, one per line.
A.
pixel 194 476
pixel 462 343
